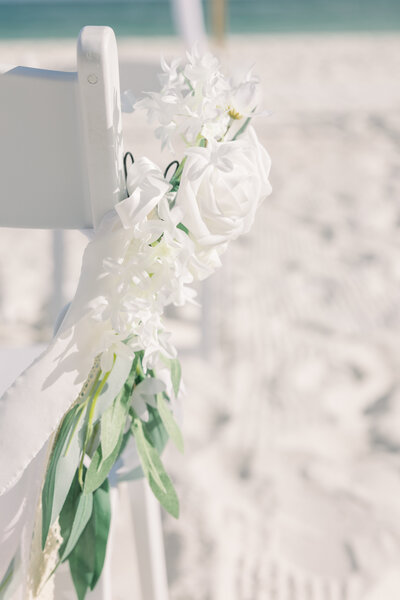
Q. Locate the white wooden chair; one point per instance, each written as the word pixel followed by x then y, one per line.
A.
pixel 61 167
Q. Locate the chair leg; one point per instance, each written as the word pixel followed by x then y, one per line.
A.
pixel 149 542
pixel 135 560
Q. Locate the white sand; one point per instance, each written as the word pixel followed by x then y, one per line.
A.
pixel 290 481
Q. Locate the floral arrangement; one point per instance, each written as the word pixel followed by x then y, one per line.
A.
pixel 168 233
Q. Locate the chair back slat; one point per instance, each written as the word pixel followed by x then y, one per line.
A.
pixel 100 102
pixel 61 140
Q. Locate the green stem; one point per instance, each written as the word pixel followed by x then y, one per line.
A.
pixel 82 409
pixel 242 129
pixel 89 429
pixel 227 129
pixel 139 369
pixel 175 179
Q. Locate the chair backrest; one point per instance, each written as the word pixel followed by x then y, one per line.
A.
pixel 61 152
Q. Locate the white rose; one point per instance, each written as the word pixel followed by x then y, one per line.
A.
pixel 204 261
pixel 221 188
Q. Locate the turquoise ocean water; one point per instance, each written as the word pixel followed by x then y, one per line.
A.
pixel 150 17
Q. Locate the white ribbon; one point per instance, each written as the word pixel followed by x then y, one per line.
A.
pixel 32 408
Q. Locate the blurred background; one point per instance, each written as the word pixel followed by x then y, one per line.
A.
pixel 290 483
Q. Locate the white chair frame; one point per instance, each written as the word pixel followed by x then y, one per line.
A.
pixel 61 167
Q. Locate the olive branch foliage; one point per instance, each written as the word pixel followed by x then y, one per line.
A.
pixel 91 438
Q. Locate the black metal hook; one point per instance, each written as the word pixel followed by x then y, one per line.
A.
pixel 174 162
pixel 127 155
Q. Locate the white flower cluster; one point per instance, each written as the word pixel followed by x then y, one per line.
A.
pixel 145 255
pixel 167 234
pixel 198 101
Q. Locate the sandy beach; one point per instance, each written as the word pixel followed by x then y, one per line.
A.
pixel 289 484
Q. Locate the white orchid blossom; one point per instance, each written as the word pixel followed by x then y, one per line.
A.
pixel 244 96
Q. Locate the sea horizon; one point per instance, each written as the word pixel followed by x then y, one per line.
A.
pixel 62 18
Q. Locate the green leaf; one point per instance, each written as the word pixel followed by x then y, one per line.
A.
pixel 102 519
pixel 158 437
pixel 61 469
pixel 100 465
pixel 154 470
pixel 81 566
pixel 115 383
pixel 155 430
pixel 82 561
pixel 176 374
pixel 67 514
pixel 126 391
pixel 112 423
pixel 86 561
pixel 183 228
pixel 169 422
pixel 82 515
pixel 99 468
